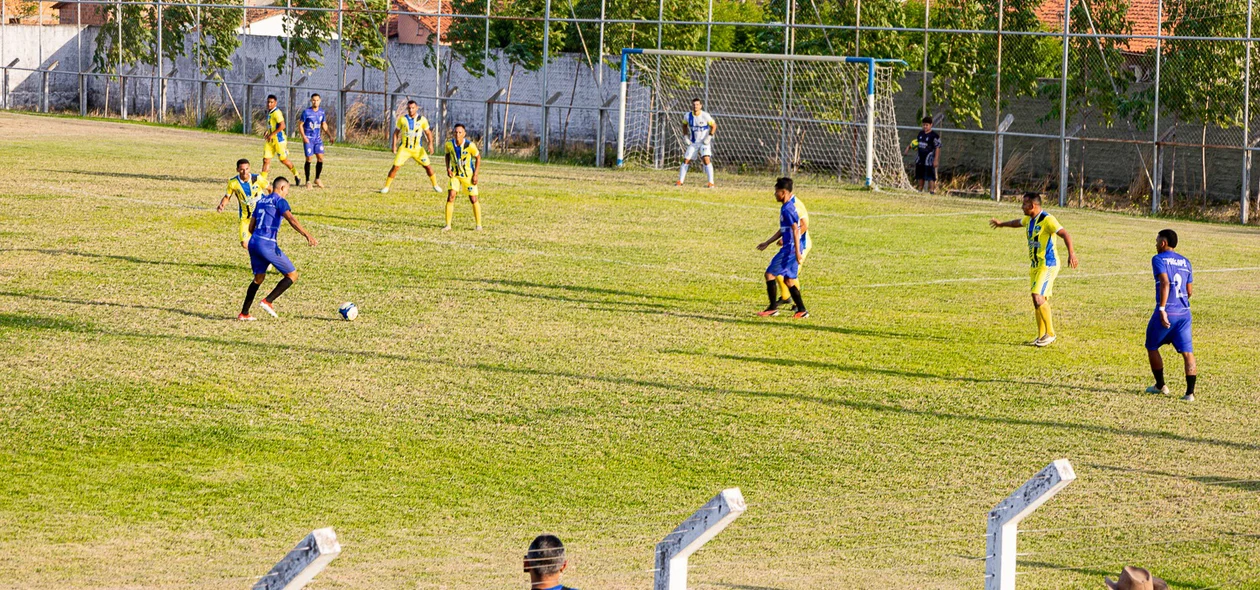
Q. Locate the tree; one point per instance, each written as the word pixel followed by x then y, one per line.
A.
pixel 309 32
pixel 1097 80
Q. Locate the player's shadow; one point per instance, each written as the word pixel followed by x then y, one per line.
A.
pixel 37 322
pixel 895 372
pixel 672 311
pixel 175 310
pixel 132 259
pixel 139 176
pixel 1100 573
pixel 1248 484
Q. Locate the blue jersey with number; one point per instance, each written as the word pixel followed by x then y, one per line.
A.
pixel 789 215
pixel 268 212
pixel 1177 267
pixel 312 123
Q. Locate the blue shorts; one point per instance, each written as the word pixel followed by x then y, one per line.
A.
pixel 1177 334
pixel 784 264
pixel 264 253
pixel 313 146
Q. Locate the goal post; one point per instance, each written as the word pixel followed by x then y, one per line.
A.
pixel 816 114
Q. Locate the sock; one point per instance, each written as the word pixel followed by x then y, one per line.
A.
pixel 308 171
pixel 783 288
pixel 279 290
pixel 1041 322
pixel 796 298
pixel 772 289
pixel 1159 377
pixel 319 169
pixel 433 179
pixel 682 173
pixel 293 169
pixel 1045 313
pixel 708 171
pixel 1190 379
pixel 388 181
pixel 477 212
pixel 249 297
pixel 450 212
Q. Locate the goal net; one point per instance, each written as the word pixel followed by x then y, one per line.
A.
pixel 783 113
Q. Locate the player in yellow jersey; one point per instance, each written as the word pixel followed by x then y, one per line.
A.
pixel 276 145
pixel 246 188
pixel 410 128
pixel 1042 228
pixel 806 244
pixel 463 163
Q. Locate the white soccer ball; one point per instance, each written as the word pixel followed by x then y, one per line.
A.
pixel 348 311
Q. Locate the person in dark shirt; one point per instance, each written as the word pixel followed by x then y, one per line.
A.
pixel 928 157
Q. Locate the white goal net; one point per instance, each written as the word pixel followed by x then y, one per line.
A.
pixel 788 114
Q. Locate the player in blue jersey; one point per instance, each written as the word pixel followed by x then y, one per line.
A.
pixel 1170 322
pixel 264 251
pixel 313 127
pixel 787 261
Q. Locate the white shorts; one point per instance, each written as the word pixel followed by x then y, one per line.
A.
pixel 703 148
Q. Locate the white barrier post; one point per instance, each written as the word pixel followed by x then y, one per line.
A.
pixel 999 565
pixel 303 563
pixel 692 534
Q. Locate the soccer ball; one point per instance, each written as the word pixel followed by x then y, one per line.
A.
pixel 348 311
pixel 914 143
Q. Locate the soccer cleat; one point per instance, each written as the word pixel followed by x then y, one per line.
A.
pixel 1189 397
pixel 679 183
pixel 710 185
pixel 768 312
pixel 1044 341
pixel 447 228
pixel 437 189
pixel 245 318
pixel 478 228
pixel 266 305
pixel 1157 390
pixel 800 315
pixel 384 190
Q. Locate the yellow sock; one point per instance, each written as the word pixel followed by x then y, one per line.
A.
pixel 477 213
pixel 433 179
pixel 1041 322
pixel 388 181
pixel 1045 314
pixel 450 212
pixel 783 290
pixel 294 171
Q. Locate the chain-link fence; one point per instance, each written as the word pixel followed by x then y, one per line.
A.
pixel 1126 104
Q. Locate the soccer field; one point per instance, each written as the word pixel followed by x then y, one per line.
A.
pixel 590 365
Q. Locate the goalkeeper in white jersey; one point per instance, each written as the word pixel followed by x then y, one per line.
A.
pixel 700 131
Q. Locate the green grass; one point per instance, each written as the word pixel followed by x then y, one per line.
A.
pixel 589 365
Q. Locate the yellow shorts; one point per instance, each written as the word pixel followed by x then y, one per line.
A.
pixel 417 154
pixel 462 183
pixel 1041 280
pixel 276 149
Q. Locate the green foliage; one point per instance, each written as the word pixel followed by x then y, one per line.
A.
pixel 213 34
pixel 138 39
pixel 363 39
pixel 520 41
pixel 306 35
pixel 1097 81
pixel 732 38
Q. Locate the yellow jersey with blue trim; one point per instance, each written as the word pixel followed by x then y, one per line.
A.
pixel 274 119
pixel 246 193
pixel 804 215
pixel 463 157
pixel 412 130
pixel 1041 231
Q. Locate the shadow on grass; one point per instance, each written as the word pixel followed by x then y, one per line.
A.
pixel 34 322
pixel 208 265
pixel 204 316
pixel 668 310
pixel 893 372
pixel 138 176
pixel 865 406
pixel 1249 484
pixel 1094 571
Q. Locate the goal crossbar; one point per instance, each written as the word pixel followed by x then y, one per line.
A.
pixel 871 64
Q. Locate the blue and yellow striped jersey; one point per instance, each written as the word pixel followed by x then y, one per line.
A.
pixel 463 158
pixel 274 119
pixel 246 194
pixel 412 130
pixel 1041 231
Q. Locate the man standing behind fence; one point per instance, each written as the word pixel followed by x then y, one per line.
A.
pixel 276 146
pixel 544 562
pixel 313 128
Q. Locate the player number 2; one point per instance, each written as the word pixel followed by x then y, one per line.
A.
pixel 1176 281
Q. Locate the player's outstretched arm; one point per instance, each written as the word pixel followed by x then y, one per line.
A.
pixel 1067 240
pixel 994 223
pixel 773 239
pixel 223 203
pixel 288 216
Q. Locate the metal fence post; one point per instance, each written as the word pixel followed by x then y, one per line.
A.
pixel 998 152
pixel 1159 58
pixel 543 135
pixel 546 134
pixel 600 135
pixel 341 73
pixel 1063 108
pixel 293 97
pixel 1245 197
pixel 487 134
pixel 247 114
pixel 927 15
pixel 161 111
pixel 44 74
pixel 442 121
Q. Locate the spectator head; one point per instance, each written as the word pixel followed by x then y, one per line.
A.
pixel 783 189
pixel 1168 237
pixel 1136 578
pixel 545 560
